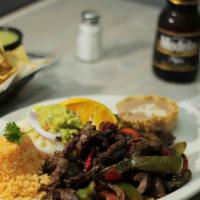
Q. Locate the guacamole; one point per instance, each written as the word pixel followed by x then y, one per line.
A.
pixel 57 119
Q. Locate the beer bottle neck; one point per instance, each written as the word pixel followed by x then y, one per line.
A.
pixel 184 2
pixel 183 6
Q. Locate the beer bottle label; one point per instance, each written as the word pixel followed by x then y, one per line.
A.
pixel 177 52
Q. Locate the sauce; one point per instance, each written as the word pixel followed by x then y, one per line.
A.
pixel 149 110
pixel 8 37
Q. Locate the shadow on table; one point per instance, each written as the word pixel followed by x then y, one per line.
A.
pixel 120 50
pixel 37 93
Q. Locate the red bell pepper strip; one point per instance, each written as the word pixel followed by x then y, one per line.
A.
pixel 131 132
pixel 88 161
pixel 167 151
pixel 112 175
pixel 107 195
pixel 185 163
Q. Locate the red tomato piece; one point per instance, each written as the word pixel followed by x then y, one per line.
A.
pixel 185 162
pixel 108 195
pixel 112 175
pixel 129 131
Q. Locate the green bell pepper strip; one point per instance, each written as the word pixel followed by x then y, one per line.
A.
pixel 87 192
pixel 130 191
pixel 180 148
pixel 159 164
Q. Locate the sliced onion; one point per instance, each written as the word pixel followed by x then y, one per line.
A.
pixel 41 143
pixel 33 120
pixel 46 145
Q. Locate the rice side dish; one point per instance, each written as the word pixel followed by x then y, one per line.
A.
pixel 20 165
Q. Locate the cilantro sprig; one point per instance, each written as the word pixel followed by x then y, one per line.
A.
pixel 13 133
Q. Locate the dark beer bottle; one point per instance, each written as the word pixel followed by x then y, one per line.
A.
pixel 176 48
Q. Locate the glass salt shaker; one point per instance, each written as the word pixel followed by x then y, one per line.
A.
pixel 89 41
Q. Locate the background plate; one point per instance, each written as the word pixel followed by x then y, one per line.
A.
pixel 15 88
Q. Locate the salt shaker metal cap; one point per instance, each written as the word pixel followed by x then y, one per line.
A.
pixel 89 41
pixel 90 16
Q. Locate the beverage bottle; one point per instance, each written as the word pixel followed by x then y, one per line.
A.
pixel 176 47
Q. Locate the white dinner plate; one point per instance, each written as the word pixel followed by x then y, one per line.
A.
pixel 188 130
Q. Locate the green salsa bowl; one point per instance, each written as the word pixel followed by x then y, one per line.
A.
pixel 10 38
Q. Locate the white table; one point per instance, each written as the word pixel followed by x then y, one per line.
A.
pixel 129 28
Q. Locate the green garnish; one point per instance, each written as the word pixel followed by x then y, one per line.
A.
pixel 13 133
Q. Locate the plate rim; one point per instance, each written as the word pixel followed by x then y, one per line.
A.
pixel 189 190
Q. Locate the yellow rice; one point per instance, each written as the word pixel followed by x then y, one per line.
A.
pixel 19 167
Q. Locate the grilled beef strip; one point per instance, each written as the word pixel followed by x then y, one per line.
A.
pixel 53 195
pixel 159 189
pixel 61 194
pixel 70 146
pixel 144 147
pixel 144 181
pixel 82 179
pixel 118 191
pixel 178 180
pixel 166 138
pixel 114 153
pixel 56 175
pixel 107 127
pixel 87 135
pixel 110 147
pixel 111 188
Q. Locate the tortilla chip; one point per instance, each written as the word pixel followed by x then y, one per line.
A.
pixel 6 70
pixel 17 58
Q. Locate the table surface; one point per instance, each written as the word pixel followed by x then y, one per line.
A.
pixel 128 27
